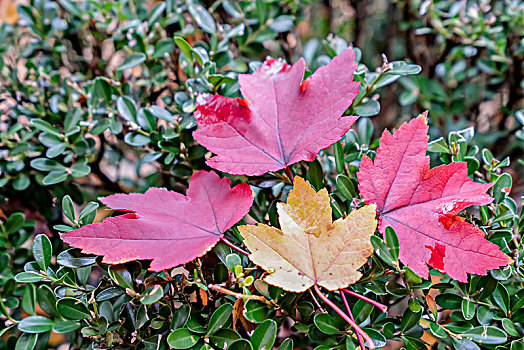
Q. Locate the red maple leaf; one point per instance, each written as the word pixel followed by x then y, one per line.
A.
pixel 422 204
pixel 282 120
pixel 165 226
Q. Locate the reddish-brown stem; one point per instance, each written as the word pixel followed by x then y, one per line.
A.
pixel 168 275
pixel 359 338
pixel 382 307
pixel 241 251
pixel 238 295
pixel 371 345
pixel 289 174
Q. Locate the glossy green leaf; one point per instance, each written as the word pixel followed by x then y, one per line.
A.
pixel 180 317
pixel 410 319
pixel 89 209
pixel 403 68
pixel 121 275
pixel 14 223
pixel 346 187
pixel 413 343
pixel 315 175
pixel 325 323
pixel 241 344
pixel 127 108
pixel 517 345
pixel 264 335
pixel 449 301
pixel 28 277
pixel 184 47
pixel 488 335
pixel 182 339
pixel 47 300
pixel 468 309
pixel 36 324
pixel 42 251
pixel 287 344
pixel 132 61
pixel 162 113
pixel 29 299
pixel 202 17
pixel 219 318
pixel 510 327
pixel 368 108
pixel 73 309
pixel 65 326
pixel 392 242
pixel 68 208
pixel 437 330
pixel 382 250
pixel 224 337
pixel 45 127
pixel 54 177
pixel 339 157
pixel 256 311
pixel 26 341
pixel 502 187
pixel 69 259
pixel 464 344
pixel 152 295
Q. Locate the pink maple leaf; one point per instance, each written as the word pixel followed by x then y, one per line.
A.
pixel 283 120
pixel 166 227
pixel 422 204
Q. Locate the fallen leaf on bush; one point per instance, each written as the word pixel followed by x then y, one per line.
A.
pixel 199 297
pixel 422 204
pixel 238 315
pixel 310 249
pixel 165 226
pixel 282 120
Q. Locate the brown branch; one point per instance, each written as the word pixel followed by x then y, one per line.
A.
pixel 95 168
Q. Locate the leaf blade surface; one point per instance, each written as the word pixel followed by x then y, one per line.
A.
pixel 422 204
pixel 166 227
pixel 309 249
pixel 283 120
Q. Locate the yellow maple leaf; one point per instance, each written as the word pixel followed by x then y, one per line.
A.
pixel 310 249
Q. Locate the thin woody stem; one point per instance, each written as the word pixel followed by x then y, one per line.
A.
pixel 238 295
pixel 359 338
pixel 169 278
pixel 382 307
pixel 241 251
pixel 371 345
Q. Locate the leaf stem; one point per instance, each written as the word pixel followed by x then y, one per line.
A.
pixel 380 306
pixel 168 275
pixel 316 302
pixel 359 338
pixel 371 345
pixel 238 295
pixel 241 251
pixel 61 282
pixel 289 174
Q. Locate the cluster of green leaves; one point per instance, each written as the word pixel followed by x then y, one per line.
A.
pixel 478 72
pixel 93 89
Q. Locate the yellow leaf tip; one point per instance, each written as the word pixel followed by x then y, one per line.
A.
pixel 424 116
